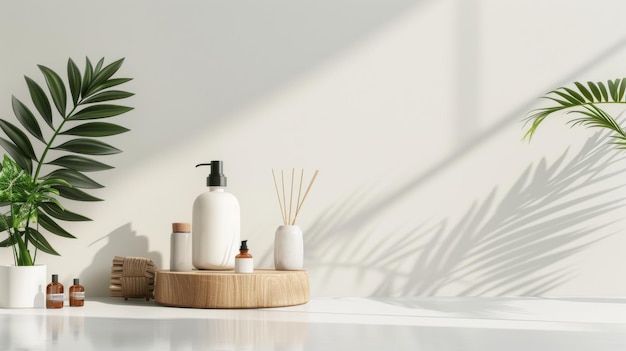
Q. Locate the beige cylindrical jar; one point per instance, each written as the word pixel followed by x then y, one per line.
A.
pixel 180 248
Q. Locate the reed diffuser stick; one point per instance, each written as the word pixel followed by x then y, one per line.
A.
pixel 278 195
pixel 304 197
pixel 299 192
pixel 291 196
pixel 282 178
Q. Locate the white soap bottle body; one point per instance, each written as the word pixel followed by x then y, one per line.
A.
pixel 216 230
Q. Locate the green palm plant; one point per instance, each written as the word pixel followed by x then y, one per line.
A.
pixel 33 183
pixel 584 101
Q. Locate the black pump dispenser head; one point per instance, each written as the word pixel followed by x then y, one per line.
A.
pixel 244 245
pixel 216 177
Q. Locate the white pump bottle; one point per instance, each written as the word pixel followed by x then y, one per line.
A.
pixel 215 224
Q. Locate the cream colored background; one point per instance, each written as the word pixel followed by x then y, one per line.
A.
pixel 411 110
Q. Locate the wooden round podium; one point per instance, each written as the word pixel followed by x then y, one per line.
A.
pixel 227 289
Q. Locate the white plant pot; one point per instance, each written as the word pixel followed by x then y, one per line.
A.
pixel 288 248
pixel 23 286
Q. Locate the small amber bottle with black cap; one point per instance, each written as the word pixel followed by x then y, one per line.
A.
pixel 243 261
pixel 77 294
pixel 54 293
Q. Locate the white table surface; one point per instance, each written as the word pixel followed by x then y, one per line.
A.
pixel 425 323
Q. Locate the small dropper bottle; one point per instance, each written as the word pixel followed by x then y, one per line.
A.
pixel 77 294
pixel 243 261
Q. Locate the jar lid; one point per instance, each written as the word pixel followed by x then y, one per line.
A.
pixel 181 227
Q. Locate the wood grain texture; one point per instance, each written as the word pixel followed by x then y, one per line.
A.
pixel 227 289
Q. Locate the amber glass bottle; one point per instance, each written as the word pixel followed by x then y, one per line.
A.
pixel 54 293
pixel 243 261
pixel 77 294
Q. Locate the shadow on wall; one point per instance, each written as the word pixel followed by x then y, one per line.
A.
pixel 123 241
pixel 511 246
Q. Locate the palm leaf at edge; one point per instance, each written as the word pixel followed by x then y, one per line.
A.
pixel 582 102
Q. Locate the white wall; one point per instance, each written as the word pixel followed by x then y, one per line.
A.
pixel 411 110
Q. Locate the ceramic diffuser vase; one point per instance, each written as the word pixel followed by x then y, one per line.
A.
pixel 288 248
pixel 288 239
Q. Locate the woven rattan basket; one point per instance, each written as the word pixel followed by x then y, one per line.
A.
pixel 132 277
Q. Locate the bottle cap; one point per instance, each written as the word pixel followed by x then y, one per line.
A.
pixel 181 227
pixel 55 278
pixel 76 281
pixel 216 177
pixel 244 245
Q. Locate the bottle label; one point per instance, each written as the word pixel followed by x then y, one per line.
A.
pixel 244 265
pixel 54 297
pixel 78 295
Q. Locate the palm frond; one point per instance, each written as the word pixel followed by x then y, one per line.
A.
pixel 583 100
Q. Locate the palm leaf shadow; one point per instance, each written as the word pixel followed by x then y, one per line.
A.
pixel 515 245
pixel 340 226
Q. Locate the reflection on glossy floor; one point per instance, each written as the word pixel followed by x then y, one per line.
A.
pixel 325 324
